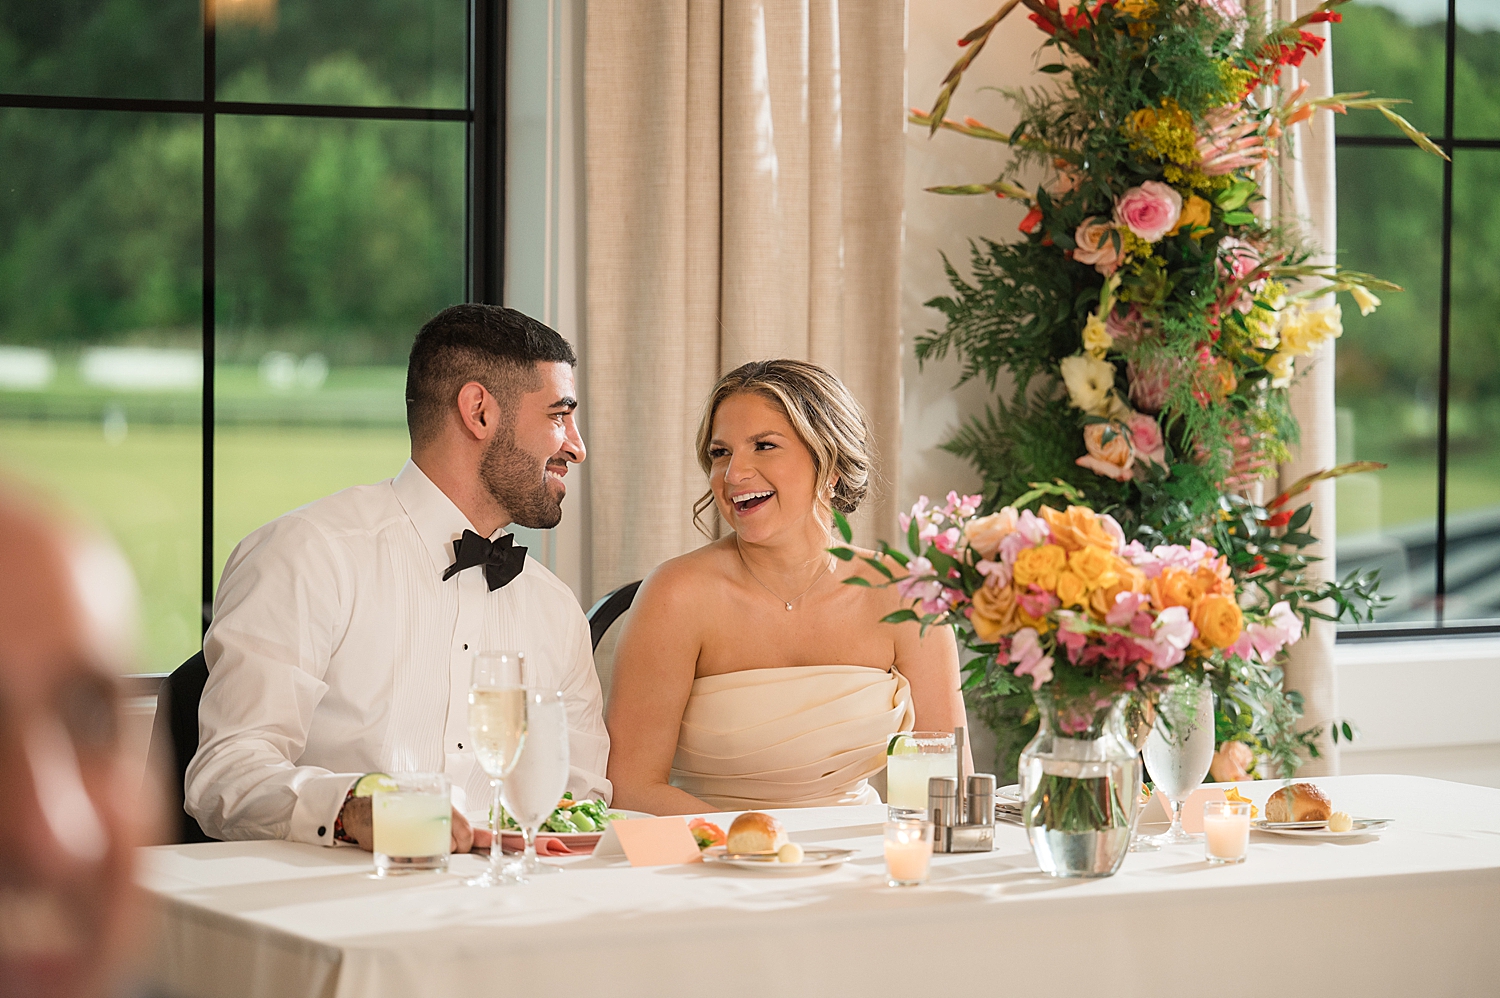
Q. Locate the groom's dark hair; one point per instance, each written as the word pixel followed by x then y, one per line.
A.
pixel 495 346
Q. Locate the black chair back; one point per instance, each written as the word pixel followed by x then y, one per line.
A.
pixel 610 609
pixel 174 738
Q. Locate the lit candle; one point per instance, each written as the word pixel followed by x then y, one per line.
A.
pixel 908 852
pixel 1226 831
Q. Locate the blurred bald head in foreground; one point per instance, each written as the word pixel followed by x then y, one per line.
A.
pixel 70 815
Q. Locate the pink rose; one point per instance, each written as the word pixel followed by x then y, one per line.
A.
pixel 1145 439
pixel 1237 258
pixel 1096 245
pixel 1112 457
pixel 1149 210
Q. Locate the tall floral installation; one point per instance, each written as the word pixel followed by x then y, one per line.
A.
pixel 1151 319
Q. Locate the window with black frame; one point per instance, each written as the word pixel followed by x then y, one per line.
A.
pixel 216 243
pixel 1419 380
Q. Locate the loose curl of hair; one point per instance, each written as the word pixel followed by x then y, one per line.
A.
pixel 828 419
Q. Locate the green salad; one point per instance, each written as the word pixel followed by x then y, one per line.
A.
pixel 570 816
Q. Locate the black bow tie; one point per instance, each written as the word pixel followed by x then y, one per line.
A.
pixel 502 558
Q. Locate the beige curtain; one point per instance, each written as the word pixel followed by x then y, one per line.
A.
pixel 1305 192
pixel 744 167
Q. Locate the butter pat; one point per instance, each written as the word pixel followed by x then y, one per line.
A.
pixel 792 853
pixel 1338 821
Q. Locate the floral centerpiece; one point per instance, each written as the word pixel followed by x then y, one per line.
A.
pixel 1058 605
pixel 1151 319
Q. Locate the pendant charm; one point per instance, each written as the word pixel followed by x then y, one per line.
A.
pixel 789 606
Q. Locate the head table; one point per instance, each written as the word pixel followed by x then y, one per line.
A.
pixel 1413 912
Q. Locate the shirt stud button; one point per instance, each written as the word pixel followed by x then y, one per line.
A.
pixel 466 647
pixel 460 744
pixel 322 830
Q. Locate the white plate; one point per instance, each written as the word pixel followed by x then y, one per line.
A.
pixel 1361 829
pixel 813 858
pixel 1008 795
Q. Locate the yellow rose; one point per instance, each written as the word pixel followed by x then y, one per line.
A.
pixel 1130 580
pixel 1078 528
pixel 1071 590
pixel 1097 567
pixel 1175 587
pixel 1195 213
pixel 1039 566
pixel 1218 620
pixel 985 533
pixel 994 612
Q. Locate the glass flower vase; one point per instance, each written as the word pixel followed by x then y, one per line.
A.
pixel 1080 780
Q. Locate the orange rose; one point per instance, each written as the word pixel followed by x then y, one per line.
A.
pixel 1096 566
pixel 1078 528
pixel 985 533
pixel 1218 620
pixel 1175 587
pixel 1071 590
pixel 1109 451
pixel 1040 565
pixel 1231 763
pixel 994 612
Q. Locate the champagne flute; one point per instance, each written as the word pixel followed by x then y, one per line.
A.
pixel 497 727
pixel 1180 749
pixel 540 776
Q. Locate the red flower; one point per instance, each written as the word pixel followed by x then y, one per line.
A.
pixel 1325 15
pixel 1278 519
pixel 1259 565
pixel 1042 22
pixel 1031 221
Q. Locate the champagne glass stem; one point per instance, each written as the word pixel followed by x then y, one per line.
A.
pixel 1176 828
pixel 495 849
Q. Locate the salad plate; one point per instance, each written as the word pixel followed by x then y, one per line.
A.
pixel 813 858
pixel 1319 829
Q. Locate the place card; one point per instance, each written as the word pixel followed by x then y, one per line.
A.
pixel 649 842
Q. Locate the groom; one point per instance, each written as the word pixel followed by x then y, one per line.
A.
pixel 343 631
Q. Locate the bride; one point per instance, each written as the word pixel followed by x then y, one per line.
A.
pixel 749 675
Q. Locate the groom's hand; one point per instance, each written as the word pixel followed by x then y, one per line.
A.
pixel 358 819
pixel 463 835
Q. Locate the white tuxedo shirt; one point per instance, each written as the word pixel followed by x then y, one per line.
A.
pixel 337 649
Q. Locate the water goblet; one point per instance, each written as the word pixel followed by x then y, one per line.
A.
pixel 1180 749
pixel 534 786
pixel 497 727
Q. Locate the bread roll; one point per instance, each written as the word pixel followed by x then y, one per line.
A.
pixel 754 832
pixel 1298 802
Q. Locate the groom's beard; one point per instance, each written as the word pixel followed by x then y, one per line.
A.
pixel 518 482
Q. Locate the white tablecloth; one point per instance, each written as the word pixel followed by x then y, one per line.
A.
pixel 1414 912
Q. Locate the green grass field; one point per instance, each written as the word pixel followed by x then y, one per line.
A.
pixel 146 491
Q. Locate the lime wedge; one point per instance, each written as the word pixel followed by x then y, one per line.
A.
pixel 373 783
pixel 902 745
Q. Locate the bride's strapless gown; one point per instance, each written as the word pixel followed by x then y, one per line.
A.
pixel 799 736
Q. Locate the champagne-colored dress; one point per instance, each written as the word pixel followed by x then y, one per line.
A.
pixel 799 736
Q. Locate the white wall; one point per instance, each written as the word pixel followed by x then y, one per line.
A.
pixel 935 224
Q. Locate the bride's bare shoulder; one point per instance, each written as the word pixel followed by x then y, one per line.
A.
pixel 684 578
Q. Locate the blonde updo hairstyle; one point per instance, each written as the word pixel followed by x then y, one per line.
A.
pixel 828 419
